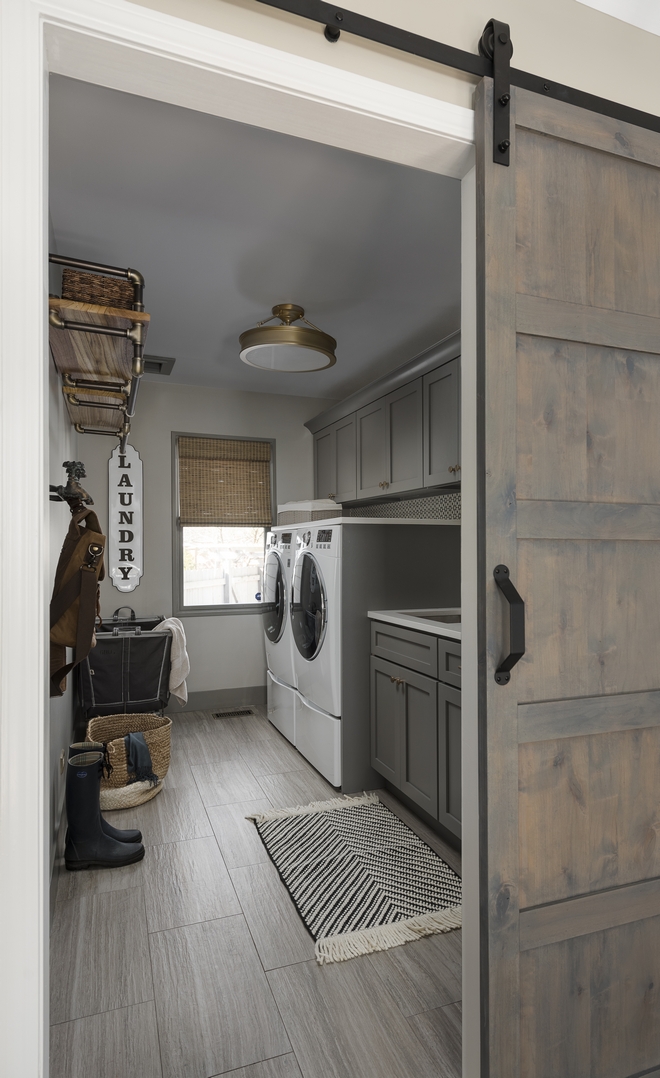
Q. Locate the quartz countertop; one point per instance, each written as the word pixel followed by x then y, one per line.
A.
pixel 421 621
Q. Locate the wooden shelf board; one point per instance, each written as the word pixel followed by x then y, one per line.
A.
pixel 91 355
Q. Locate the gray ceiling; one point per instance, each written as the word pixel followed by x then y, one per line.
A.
pixel 224 220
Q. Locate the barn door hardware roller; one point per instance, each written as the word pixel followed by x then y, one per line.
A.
pixel 495 44
pixel 516 624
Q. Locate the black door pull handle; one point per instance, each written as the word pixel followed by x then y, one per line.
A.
pixel 516 624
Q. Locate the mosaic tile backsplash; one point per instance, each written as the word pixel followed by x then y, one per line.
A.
pixel 434 507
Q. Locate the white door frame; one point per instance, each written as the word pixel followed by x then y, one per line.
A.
pixel 120 45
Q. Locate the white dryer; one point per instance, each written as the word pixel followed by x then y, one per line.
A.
pixel 316 631
pixel 281 680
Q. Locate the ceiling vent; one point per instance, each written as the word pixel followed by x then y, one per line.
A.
pixel 158 365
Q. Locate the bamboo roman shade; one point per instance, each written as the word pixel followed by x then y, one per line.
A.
pixel 224 481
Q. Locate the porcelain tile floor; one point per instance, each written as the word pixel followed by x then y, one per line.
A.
pixel 195 964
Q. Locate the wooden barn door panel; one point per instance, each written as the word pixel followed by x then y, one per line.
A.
pixel 569 368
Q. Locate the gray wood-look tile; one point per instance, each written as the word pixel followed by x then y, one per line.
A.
pixel 171 816
pixel 448 854
pixel 251 728
pixel 276 926
pixel 179 773
pixel 440 1031
pixel 237 837
pixel 280 1067
pixel 421 975
pixel 185 882
pixel 296 788
pixel 225 781
pixel 100 955
pixel 96 881
pixel 209 738
pixel 215 1011
pixel 116 1044
pixel 272 757
pixel 340 1027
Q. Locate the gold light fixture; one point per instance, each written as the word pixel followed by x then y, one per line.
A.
pixel 287 347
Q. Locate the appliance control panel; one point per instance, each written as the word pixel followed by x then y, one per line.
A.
pixel 321 539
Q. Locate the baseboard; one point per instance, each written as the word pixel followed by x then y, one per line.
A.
pixel 220 699
pixel 57 867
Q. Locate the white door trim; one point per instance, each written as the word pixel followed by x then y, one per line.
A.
pixel 120 45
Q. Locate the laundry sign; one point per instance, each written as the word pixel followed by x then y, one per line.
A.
pixel 125 548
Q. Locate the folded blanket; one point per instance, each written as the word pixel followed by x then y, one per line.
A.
pixel 138 760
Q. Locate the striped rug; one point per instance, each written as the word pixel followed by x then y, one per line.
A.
pixel 360 879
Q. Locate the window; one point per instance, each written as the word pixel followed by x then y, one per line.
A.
pixel 224 488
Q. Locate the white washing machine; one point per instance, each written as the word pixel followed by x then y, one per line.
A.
pixel 281 680
pixel 278 570
pixel 316 631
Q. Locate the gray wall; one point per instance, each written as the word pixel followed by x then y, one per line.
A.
pixel 62 446
pixel 226 651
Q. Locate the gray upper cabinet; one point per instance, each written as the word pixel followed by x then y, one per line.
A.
pixel 334 461
pixel 403 441
pixel 389 443
pixel 372 449
pixel 404 438
pixel 345 457
pixel 442 445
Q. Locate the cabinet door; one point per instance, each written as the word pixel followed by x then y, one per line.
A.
pixel 404 438
pixel 419 740
pixel 441 425
pixel 386 697
pixel 344 429
pixel 449 758
pixel 372 471
pixel 325 467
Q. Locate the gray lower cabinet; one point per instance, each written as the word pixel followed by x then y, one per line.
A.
pixel 334 461
pixel 416 726
pixel 442 443
pixel 404 730
pixel 449 758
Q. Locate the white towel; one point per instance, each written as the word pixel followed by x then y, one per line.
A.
pixel 180 663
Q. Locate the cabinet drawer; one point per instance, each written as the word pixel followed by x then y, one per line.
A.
pixel 416 651
pixel 449 662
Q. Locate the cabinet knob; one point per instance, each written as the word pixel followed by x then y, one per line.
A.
pixel 396 680
pixel 332 496
pixel 384 484
pixel 453 468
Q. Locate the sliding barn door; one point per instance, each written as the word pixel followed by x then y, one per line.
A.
pixel 569 303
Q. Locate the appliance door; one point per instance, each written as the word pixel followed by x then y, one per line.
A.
pixel 282 707
pixel 318 739
pixel 274 595
pixel 309 606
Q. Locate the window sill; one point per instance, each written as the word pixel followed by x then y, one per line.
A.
pixel 222 611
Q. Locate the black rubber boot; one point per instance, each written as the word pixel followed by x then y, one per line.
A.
pixel 108 829
pixel 87 846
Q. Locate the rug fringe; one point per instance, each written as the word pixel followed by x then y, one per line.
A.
pixel 382 937
pixel 316 806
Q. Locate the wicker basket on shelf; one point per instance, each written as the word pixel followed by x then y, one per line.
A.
pixel 116 789
pixel 85 287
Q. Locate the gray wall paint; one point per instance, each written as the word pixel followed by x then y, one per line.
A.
pixel 62 446
pixel 226 652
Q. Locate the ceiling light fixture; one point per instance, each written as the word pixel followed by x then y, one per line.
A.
pixel 287 347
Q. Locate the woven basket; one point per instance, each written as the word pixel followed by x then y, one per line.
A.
pixel 93 288
pixel 112 729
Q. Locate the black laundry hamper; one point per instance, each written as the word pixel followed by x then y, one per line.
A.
pixel 128 671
